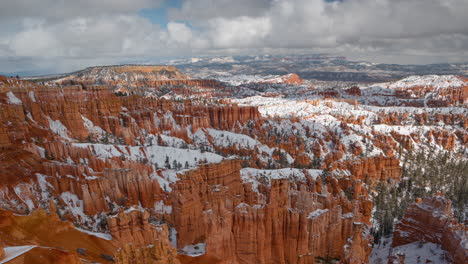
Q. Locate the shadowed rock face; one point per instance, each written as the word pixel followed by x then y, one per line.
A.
pixel 431 220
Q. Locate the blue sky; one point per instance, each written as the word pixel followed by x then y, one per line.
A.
pixel 159 15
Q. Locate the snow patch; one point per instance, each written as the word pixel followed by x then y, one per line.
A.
pixel 58 128
pixel 12 99
pixel 32 96
pixel 418 252
pixel 194 250
pixel 14 252
pixel 93 129
pixel 96 234
pixel 73 204
pixel 258 176
pixel 316 213
pixel 436 81
pixel 161 208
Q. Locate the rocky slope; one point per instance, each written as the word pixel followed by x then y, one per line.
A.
pixel 123 75
pixel 200 175
pixel 430 220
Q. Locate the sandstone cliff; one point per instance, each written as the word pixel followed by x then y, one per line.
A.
pixel 431 220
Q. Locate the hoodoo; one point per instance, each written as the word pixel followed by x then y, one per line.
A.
pixel 143 164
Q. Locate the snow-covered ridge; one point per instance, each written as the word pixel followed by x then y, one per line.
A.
pixel 236 80
pixel 255 176
pixel 436 81
pixel 154 154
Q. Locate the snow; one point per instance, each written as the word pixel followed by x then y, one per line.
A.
pixel 255 176
pixel 58 128
pixel 32 96
pixel 12 99
pixel 14 252
pixel 240 79
pixel 96 234
pixel 173 237
pixel 418 252
pixel 436 81
pixel 172 141
pixel 381 252
pixel 74 204
pixel 19 191
pixel 168 177
pixel 43 185
pixel 242 208
pixel 279 106
pixel 199 137
pixel 153 154
pixel 227 139
pixel 134 208
pixel 402 130
pixel 348 215
pixel 161 208
pixel 316 213
pixel 324 116
pixel 92 129
pixel 41 151
pixel 288 107
pixel 194 250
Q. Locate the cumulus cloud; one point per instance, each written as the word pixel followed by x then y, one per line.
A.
pixel 74 33
pixel 398 27
pixel 242 32
pixel 199 11
pixel 86 37
pixel 62 9
pixel 179 32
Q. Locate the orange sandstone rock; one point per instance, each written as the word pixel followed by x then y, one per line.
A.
pixel 431 220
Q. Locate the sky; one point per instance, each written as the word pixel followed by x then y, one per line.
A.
pixel 52 36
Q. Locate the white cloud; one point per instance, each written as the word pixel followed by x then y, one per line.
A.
pixel 199 11
pixel 242 32
pixel 179 32
pixel 74 33
pixel 63 9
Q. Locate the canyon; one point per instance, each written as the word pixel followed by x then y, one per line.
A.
pixel 145 164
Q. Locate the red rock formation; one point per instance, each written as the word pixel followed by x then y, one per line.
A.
pixel 278 221
pixel 373 169
pixel 444 138
pixel 159 252
pixel 132 227
pixel 431 220
pixel 139 241
pixel 291 78
pixel 302 161
pixel 356 91
pixel 404 140
pixel 211 205
pixel 58 240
